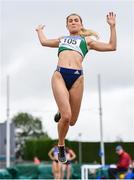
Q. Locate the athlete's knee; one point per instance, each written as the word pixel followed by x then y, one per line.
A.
pixel 72 123
pixel 66 117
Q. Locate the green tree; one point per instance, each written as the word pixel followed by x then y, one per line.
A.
pixel 26 127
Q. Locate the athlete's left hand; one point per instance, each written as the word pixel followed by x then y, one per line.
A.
pixel 111 19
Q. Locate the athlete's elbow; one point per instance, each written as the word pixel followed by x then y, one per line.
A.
pixel 43 43
pixel 112 48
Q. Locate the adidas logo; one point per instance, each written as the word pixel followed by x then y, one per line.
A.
pixel 76 72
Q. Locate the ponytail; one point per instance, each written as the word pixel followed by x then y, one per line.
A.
pixel 88 32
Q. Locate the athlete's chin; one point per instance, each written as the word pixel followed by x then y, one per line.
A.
pixel 74 31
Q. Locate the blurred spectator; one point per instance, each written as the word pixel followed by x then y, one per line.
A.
pixel 132 167
pixel 122 165
pixel 56 165
pixel 130 174
pixel 36 160
pixel 70 155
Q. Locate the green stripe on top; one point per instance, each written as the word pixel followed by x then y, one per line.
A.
pixel 75 43
pixel 83 46
pixel 62 49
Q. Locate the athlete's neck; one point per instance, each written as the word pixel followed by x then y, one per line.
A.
pixel 75 34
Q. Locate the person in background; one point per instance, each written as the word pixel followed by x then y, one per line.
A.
pixel 36 160
pixel 122 165
pixel 70 154
pixel 130 174
pixel 56 165
pixel 132 167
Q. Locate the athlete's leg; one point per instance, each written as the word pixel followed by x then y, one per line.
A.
pixel 61 95
pixel 76 93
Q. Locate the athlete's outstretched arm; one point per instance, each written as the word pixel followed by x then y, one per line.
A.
pixel 111 46
pixel 43 40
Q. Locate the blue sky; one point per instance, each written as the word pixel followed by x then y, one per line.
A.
pixel 31 66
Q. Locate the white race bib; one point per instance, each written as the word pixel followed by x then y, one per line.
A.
pixel 67 41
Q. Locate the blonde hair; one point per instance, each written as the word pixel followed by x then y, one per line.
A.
pixel 84 31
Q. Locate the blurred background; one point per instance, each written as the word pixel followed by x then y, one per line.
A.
pixel 29 68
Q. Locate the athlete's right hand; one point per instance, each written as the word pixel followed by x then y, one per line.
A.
pixel 40 27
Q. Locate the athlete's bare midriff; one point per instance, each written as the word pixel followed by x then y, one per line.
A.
pixel 70 59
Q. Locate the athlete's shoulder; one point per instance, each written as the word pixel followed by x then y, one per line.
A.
pixel 89 39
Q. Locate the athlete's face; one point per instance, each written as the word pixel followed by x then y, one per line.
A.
pixel 74 24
